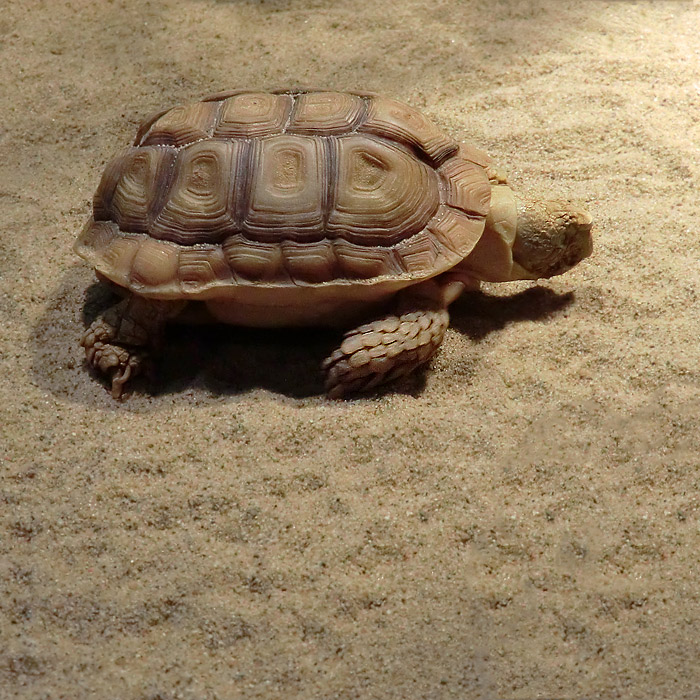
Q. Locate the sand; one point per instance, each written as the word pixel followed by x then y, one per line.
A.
pixel 520 522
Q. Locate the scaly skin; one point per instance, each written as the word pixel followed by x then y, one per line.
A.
pixel 394 345
pixel 384 350
pixel 119 342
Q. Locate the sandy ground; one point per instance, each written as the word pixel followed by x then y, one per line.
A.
pixel 523 522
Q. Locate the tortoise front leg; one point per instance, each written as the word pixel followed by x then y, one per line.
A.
pixel 384 350
pixel 118 343
pixel 395 345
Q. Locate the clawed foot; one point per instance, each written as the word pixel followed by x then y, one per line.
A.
pixel 118 362
pixel 120 342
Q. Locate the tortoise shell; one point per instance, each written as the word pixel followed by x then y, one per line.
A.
pixel 285 189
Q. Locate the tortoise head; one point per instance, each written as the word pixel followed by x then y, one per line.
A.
pixel 551 237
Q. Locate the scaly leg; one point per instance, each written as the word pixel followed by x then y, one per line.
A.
pixel 119 342
pixel 385 349
pixel 395 345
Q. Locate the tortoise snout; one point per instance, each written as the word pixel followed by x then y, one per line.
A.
pixel 581 236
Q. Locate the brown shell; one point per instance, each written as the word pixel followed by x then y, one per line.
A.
pixel 281 189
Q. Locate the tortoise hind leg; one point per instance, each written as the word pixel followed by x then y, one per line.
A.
pixel 119 342
pixel 384 350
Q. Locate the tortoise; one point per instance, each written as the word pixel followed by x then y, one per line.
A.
pixel 309 208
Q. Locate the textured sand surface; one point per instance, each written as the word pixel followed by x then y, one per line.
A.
pixel 521 523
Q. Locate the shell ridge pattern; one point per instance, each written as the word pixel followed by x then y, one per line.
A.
pixel 330 179
pixel 469 214
pixel 165 187
pixel 286 276
pixel 406 214
pixel 398 260
pixel 367 229
pixel 215 121
pixel 198 208
pixel 290 115
pixel 242 181
pixel 287 189
pixel 362 117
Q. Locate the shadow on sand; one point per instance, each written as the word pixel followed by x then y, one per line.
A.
pixel 476 314
pixel 228 360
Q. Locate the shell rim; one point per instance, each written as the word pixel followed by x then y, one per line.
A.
pixel 217 287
